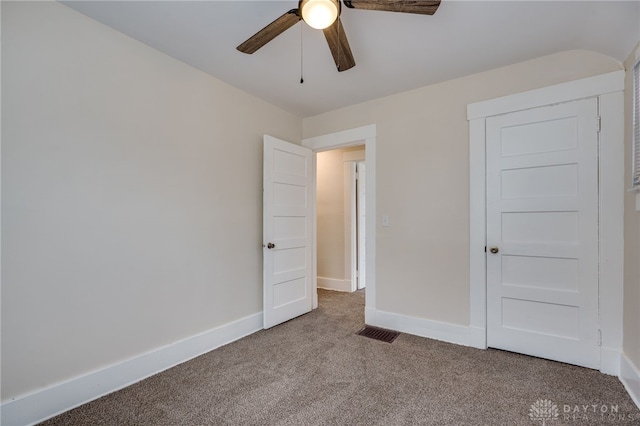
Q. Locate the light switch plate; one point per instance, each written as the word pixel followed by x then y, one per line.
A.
pixel 385 220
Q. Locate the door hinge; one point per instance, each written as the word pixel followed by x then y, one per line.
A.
pixel 599 123
pixel 485 249
pixel 599 337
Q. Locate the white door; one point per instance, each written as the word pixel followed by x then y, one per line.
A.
pixel 362 229
pixel 542 219
pixel 287 231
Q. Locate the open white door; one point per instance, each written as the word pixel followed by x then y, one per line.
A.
pixel 542 232
pixel 287 231
pixel 362 228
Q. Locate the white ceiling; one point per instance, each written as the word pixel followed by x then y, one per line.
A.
pixel 394 52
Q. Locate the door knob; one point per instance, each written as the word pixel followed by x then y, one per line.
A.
pixel 271 245
pixel 494 250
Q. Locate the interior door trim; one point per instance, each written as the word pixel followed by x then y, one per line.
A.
pixel 609 90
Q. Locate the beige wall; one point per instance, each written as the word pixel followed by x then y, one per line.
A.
pixel 331 213
pixel 131 197
pixel 422 179
pixel 631 343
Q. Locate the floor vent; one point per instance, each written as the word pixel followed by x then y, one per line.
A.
pixel 378 334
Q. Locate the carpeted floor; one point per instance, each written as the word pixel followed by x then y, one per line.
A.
pixel 315 370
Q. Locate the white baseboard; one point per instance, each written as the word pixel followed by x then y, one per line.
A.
pixel 48 402
pixel 447 332
pixel 334 284
pixel 630 378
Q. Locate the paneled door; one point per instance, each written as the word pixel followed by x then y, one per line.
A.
pixel 361 221
pixel 287 231
pixel 542 232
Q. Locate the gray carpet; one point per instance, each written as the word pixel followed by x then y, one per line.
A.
pixel 315 370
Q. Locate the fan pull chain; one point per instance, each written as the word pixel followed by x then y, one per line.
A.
pixel 301 61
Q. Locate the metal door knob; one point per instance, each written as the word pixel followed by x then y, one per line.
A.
pixel 494 250
pixel 271 245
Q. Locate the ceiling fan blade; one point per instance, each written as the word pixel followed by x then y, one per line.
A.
pixel 270 32
pixel 423 7
pixel 339 46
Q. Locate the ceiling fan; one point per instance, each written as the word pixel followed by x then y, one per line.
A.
pixel 324 14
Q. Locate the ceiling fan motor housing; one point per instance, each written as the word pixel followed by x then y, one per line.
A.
pixel 319 14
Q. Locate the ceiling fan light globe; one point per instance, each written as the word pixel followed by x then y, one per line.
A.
pixel 319 14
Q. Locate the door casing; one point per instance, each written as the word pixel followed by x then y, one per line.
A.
pixel 608 88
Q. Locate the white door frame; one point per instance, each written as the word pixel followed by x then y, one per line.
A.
pixel 609 89
pixel 361 257
pixel 350 220
pixel 365 135
pixel 350 232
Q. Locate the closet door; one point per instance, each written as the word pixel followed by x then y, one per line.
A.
pixel 542 232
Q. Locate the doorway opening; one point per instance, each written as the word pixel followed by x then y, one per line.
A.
pixel 341 219
pixel 342 139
